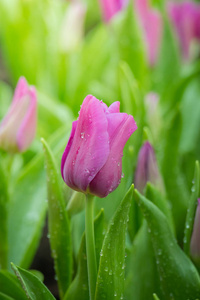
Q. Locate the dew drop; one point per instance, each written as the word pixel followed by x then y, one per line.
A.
pixel 82 135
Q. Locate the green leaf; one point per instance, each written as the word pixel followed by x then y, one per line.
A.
pixel 177 192
pixel 141 282
pixel 174 267
pixel 110 279
pixel 191 210
pixel 34 288
pixel 169 60
pixel 160 201
pixel 155 297
pixel 5 297
pixel 27 209
pixel 59 225
pixel 10 287
pixel 130 44
pixel 79 286
pixel 3 219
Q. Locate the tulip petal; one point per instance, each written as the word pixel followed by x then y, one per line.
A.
pixel 90 147
pixel 27 129
pixel 114 107
pixel 120 128
pixel 69 144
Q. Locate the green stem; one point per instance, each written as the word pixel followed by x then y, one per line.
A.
pixel 90 246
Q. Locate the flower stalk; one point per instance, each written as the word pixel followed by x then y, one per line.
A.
pixel 90 246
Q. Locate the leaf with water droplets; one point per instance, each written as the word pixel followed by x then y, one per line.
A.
pixel 58 224
pixel 33 287
pixel 191 210
pixel 28 210
pixel 174 267
pixel 176 189
pixel 79 285
pixel 110 279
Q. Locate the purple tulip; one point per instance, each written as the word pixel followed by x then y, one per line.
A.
pixel 92 160
pixel 147 169
pixel 151 23
pixel 195 240
pixel 186 19
pixel 111 7
pixel 17 130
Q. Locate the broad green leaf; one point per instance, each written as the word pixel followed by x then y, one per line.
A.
pixel 191 210
pixel 79 286
pixel 3 218
pixel 110 279
pixel 176 189
pixel 155 196
pixel 27 208
pixel 142 276
pixel 34 288
pixel 58 224
pixel 10 286
pixel 175 269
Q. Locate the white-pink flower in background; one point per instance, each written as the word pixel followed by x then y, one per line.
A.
pixel 17 130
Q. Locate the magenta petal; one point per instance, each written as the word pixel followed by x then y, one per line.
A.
pixel 69 144
pixel 114 107
pixel 109 176
pixel 90 146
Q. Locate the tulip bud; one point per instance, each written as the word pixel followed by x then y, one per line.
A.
pixel 92 160
pixel 195 240
pixel 147 169
pixel 17 130
pixel 185 18
pixel 111 7
pixel 72 28
pixel 151 23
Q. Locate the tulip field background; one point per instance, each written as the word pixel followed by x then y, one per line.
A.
pixel 142 56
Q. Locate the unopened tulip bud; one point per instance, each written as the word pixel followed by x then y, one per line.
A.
pixel 92 160
pixel 72 29
pixel 185 17
pixel 147 169
pixel 17 130
pixel 195 240
pixel 151 23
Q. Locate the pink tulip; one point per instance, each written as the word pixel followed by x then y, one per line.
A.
pixel 111 7
pixel 17 130
pixel 151 23
pixel 195 240
pixel 147 169
pixel 186 19
pixel 92 160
